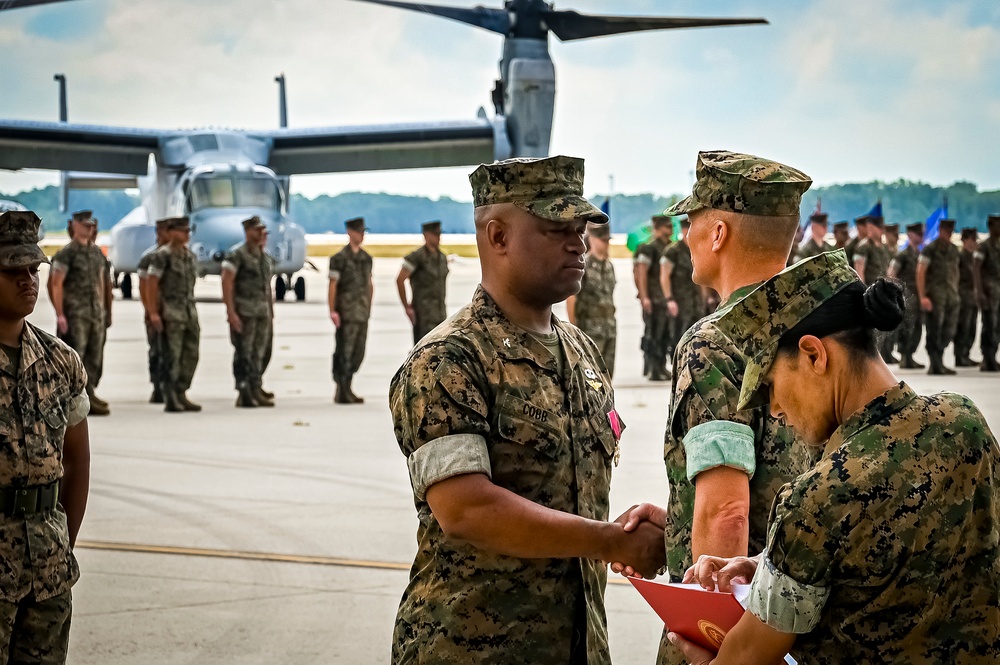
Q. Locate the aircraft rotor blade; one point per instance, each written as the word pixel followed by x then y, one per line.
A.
pixel 18 4
pixel 494 20
pixel 568 25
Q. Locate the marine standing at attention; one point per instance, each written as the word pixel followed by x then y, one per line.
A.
pixel 685 302
pixel 860 233
pixel 45 469
pixel 904 269
pixel 968 310
pixel 80 282
pixel 154 338
pixel 350 303
pixel 986 273
pixel 841 234
pixel 593 309
pixel 887 550
pixel 725 465
pixel 937 284
pixel 646 274
pixel 173 271
pixel 507 418
pixel 817 243
pixel 246 291
pixel 871 261
pixel 427 270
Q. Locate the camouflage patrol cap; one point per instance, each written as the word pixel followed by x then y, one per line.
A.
pixel 892 227
pixel 550 188
pixel 662 220
pixel 161 224
pixel 759 321
pixel 19 239
pixel 431 227
pixel 819 218
pixel 85 216
pixel 173 223
pixel 745 184
pixel 356 224
pixel 863 219
pixel 993 219
pixel 599 231
pixel 876 221
pixel 916 227
pixel 970 233
pixel 950 223
pixel 842 225
pixel 254 222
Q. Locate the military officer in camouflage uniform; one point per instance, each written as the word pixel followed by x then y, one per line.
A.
pixel 937 284
pixel 725 465
pixel 427 270
pixel 79 283
pixel 986 273
pixel 904 269
pixel 871 260
pixel 247 271
pixel 593 309
pixel 646 274
pixel 154 339
pixel 841 235
pixel 968 309
pixel 173 271
pixel 350 302
pixel 892 237
pixel 860 233
pixel 45 472
pixel 817 243
pixel 507 419
pixel 887 550
pixel 685 303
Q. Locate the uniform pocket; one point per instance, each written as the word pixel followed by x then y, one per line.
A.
pixel 54 413
pixel 527 424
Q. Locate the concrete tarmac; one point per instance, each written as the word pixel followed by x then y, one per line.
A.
pixel 284 535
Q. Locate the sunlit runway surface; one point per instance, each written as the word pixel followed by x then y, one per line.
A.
pixel 283 535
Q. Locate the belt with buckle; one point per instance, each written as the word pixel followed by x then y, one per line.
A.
pixel 24 501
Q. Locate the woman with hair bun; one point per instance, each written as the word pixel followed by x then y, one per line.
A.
pixel 887 550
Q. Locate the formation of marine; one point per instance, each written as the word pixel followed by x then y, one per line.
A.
pixel 862 514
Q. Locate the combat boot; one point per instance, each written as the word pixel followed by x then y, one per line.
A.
pixel 937 365
pixel 351 397
pixel 187 404
pixel 170 402
pixel 261 397
pixel 97 409
pixel 245 398
pixel 907 362
pixel 340 396
pixel 97 401
pixel 660 374
pixel 266 393
pixel 989 364
pixel 157 396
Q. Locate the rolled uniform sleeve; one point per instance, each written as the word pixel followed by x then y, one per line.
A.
pixel 231 262
pixel 78 404
pixel 440 415
pixel 157 264
pixel 336 266
pixel 924 260
pixel 706 420
pixel 792 583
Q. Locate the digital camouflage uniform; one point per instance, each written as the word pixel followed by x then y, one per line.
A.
pixel 253 271
pixel 683 290
pixel 706 427
pixel 156 354
pixel 909 332
pixel 177 271
pixel 988 254
pixel 479 395
pixel 428 281
pixel 888 549
pixel 877 259
pixel 942 259
pixel 968 309
pixel 353 273
pixel 595 308
pixel 43 391
pixel 85 277
pixel 810 249
pixel 534 413
pixel 852 246
pixel 656 337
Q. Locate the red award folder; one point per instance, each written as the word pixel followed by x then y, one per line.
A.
pixel 699 616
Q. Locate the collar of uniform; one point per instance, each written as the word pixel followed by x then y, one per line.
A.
pixel 877 410
pixel 31 350
pixel 512 342
pixel 738 295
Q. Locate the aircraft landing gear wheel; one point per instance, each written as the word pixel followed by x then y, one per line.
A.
pixel 126 286
pixel 300 289
pixel 279 288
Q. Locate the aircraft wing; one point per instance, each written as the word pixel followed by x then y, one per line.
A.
pixel 62 146
pixel 385 147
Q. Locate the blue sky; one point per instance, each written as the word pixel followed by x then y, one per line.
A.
pixel 846 91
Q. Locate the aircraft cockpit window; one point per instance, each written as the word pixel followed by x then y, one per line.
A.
pixel 257 193
pixel 211 193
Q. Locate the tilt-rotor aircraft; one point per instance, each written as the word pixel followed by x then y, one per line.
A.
pixel 220 177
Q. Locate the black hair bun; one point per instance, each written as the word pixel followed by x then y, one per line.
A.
pixel 884 305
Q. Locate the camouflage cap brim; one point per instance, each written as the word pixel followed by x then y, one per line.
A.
pixel 684 207
pixel 567 208
pixel 21 256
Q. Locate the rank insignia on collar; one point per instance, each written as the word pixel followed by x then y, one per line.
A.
pixel 590 374
pixel 506 342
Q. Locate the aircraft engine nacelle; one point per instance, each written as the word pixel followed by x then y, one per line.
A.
pixel 288 249
pixel 531 94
